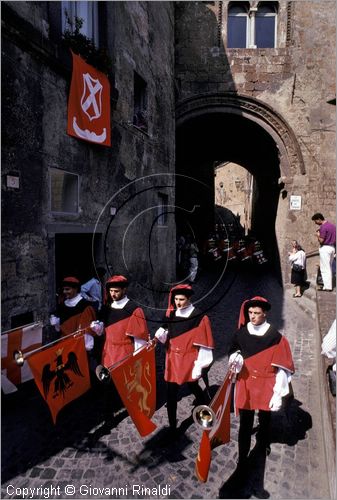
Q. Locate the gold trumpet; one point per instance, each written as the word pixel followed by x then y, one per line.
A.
pixel 20 357
pixel 103 372
pixel 204 416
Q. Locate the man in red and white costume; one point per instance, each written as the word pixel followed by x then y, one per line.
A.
pixel 261 357
pixel 75 313
pixel 126 331
pixel 124 322
pixel 189 342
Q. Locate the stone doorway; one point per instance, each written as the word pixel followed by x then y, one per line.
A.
pixel 76 255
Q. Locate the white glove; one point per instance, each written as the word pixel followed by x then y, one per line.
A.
pixel 97 327
pixel 89 342
pixel 55 321
pixel 275 402
pixel 235 362
pixel 161 335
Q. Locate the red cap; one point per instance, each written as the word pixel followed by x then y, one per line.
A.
pixel 178 289
pixel 253 302
pixel 71 281
pixel 118 280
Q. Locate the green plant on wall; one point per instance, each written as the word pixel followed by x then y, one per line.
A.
pixel 84 46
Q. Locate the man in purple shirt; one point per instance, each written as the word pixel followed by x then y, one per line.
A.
pixel 326 235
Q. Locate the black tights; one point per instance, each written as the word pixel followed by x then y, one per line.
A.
pixel 172 396
pixel 246 427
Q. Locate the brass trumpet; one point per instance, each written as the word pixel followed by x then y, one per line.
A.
pixel 20 357
pixel 204 416
pixel 103 372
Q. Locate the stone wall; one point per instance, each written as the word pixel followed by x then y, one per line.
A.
pixel 36 80
pixel 295 80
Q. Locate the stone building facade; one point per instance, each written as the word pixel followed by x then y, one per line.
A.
pixel 263 104
pixel 233 190
pixel 212 90
pixel 42 241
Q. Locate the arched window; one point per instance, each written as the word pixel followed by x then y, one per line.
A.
pixel 237 27
pixel 265 25
pixel 251 26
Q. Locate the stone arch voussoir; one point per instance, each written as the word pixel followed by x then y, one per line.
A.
pixel 290 155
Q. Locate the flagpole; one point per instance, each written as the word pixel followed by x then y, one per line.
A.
pixel 20 357
pixel 33 325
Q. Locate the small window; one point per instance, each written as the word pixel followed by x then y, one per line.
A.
pixel 237 31
pixel 140 103
pixel 265 26
pixel 87 12
pixel 162 209
pixel 63 191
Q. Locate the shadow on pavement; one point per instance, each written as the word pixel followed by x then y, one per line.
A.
pixel 29 436
pixel 248 480
pixel 290 424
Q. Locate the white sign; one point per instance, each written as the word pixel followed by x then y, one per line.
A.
pixel 13 182
pixel 295 202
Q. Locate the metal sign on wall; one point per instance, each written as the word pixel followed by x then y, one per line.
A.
pixel 295 202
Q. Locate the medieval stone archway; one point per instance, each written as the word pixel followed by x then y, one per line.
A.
pixel 212 127
pixel 291 160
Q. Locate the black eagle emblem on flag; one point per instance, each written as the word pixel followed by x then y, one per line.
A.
pixel 62 380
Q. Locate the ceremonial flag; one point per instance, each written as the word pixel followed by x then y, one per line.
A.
pixel 220 433
pixel 61 372
pixel 89 104
pixel 24 339
pixel 135 380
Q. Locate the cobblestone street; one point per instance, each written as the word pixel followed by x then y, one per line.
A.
pixel 36 454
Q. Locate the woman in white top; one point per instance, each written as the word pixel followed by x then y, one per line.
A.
pixel 297 260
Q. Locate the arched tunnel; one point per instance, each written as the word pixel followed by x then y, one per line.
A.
pixel 226 137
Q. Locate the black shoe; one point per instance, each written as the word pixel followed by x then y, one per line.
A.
pixel 260 493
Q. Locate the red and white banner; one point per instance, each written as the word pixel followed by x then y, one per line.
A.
pixel 25 339
pixel 220 433
pixel 135 380
pixel 89 104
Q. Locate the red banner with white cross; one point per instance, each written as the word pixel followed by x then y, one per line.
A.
pixel 89 104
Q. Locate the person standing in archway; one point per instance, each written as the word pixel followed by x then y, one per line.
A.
pixel 297 259
pixel 326 235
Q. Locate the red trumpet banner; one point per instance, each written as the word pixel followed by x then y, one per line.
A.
pixel 135 380
pixel 89 104
pixel 61 372
pixel 220 433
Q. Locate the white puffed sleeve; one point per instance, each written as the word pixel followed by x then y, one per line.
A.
pixel 161 335
pixel 204 359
